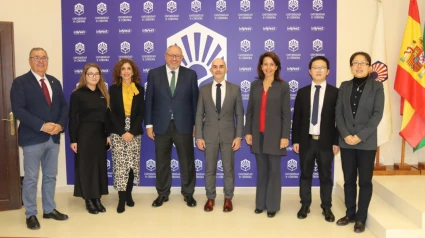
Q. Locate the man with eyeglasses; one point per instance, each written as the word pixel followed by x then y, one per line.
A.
pixel 170 109
pixel 315 136
pixel 39 104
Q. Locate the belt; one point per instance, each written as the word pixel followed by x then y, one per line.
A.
pixel 315 137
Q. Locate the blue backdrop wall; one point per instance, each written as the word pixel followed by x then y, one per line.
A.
pixel 237 31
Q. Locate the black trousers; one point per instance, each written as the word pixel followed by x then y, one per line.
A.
pixel 185 152
pixel 324 163
pixel 359 162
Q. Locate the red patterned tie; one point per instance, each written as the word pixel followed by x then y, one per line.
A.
pixel 46 92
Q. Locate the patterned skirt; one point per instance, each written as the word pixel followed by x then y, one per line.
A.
pixel 125 156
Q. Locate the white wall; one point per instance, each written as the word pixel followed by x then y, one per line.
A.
pixel 38 23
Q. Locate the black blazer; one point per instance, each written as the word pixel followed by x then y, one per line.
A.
pixel 117 114
pixel 301 119
pixel 30 107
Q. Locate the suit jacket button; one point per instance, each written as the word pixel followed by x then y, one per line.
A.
pixel 219 119
pixel 353 125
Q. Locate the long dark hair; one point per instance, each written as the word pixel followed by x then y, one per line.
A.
pixel 116 78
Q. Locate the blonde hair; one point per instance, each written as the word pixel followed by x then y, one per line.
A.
pixel 100 85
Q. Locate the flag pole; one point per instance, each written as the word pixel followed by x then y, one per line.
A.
pixel 378 166
pixel 402 165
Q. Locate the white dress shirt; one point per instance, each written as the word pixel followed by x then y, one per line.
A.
pixel 214 91
pixel 315 129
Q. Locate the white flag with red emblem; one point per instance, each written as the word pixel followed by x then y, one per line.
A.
pixel 380 73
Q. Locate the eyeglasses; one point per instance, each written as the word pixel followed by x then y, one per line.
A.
pixel 355 63
pixel 319 68
pixel 92 75
pixel 174 56
pixel 38 58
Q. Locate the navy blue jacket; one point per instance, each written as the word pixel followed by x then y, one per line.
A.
pixel 159 104
pixel 29 105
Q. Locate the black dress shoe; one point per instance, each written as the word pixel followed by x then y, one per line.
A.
pixel 55 214
pixel 359 226
pixel 159 200
pixel 32 223
pixel 90 207
pixel 302 213
pixel 98 205
pixel 258 211
pixel 345 220
pixel 190 201
pixel 329 216
pixel 271 214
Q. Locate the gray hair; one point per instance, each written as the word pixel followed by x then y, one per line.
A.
pixel 37 49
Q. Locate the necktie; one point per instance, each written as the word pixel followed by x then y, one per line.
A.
pixel 315 106
pixel 46 92
pixel 218 98
pixel 173 82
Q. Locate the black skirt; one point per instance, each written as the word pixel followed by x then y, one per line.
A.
pixel 91 179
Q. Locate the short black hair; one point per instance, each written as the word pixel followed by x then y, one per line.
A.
pixel 319 58
pixel 366 55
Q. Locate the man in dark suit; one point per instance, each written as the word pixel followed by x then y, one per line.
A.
pixel 40 106
pixel 219 103
pixel 171 99
pixel 315 137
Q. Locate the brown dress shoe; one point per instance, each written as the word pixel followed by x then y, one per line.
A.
pixel 359 227
pixel 228 206
pixel 209 205
pixel 345 220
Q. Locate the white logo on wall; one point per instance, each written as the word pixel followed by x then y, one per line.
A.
pixel 101 8
pixel 79 9
pixel 80 48
pixel 269 5
pixel 125 7
pixel 293 45
pixel 174 165
pixel 315 166
pixel 220 165
pixel 245 165
pixel 245 86
pixel 245 5
pixel 108 164
pixel 125 47
pixel 102 48
pixel 148 47
pixel 171 6
pixel 269 45
pixel 245 45
pixel 317 45
pixel 198 52
pixel 292 165
pixel 317 5
pixel 293 85
pixel 151 165
pixel 196 6
pixel 198 165
pixel 293 5
pixel 148 7
pixel 220 5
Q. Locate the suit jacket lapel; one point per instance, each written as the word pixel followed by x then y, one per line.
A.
pixel 365 94
pixel 226 97
pixel 164 80
pixel 180 78
pixel 37 87
pixel 347 98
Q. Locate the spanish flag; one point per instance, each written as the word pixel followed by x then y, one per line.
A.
pixel 410 79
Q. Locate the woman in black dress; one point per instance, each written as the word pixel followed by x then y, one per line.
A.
pixel 127 111
pixel 87 128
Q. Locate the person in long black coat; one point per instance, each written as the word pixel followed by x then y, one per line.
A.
pixel 88 123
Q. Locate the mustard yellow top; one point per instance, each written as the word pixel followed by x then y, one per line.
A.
pixel 128 91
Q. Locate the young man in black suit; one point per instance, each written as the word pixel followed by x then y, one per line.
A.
pixel 315 137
